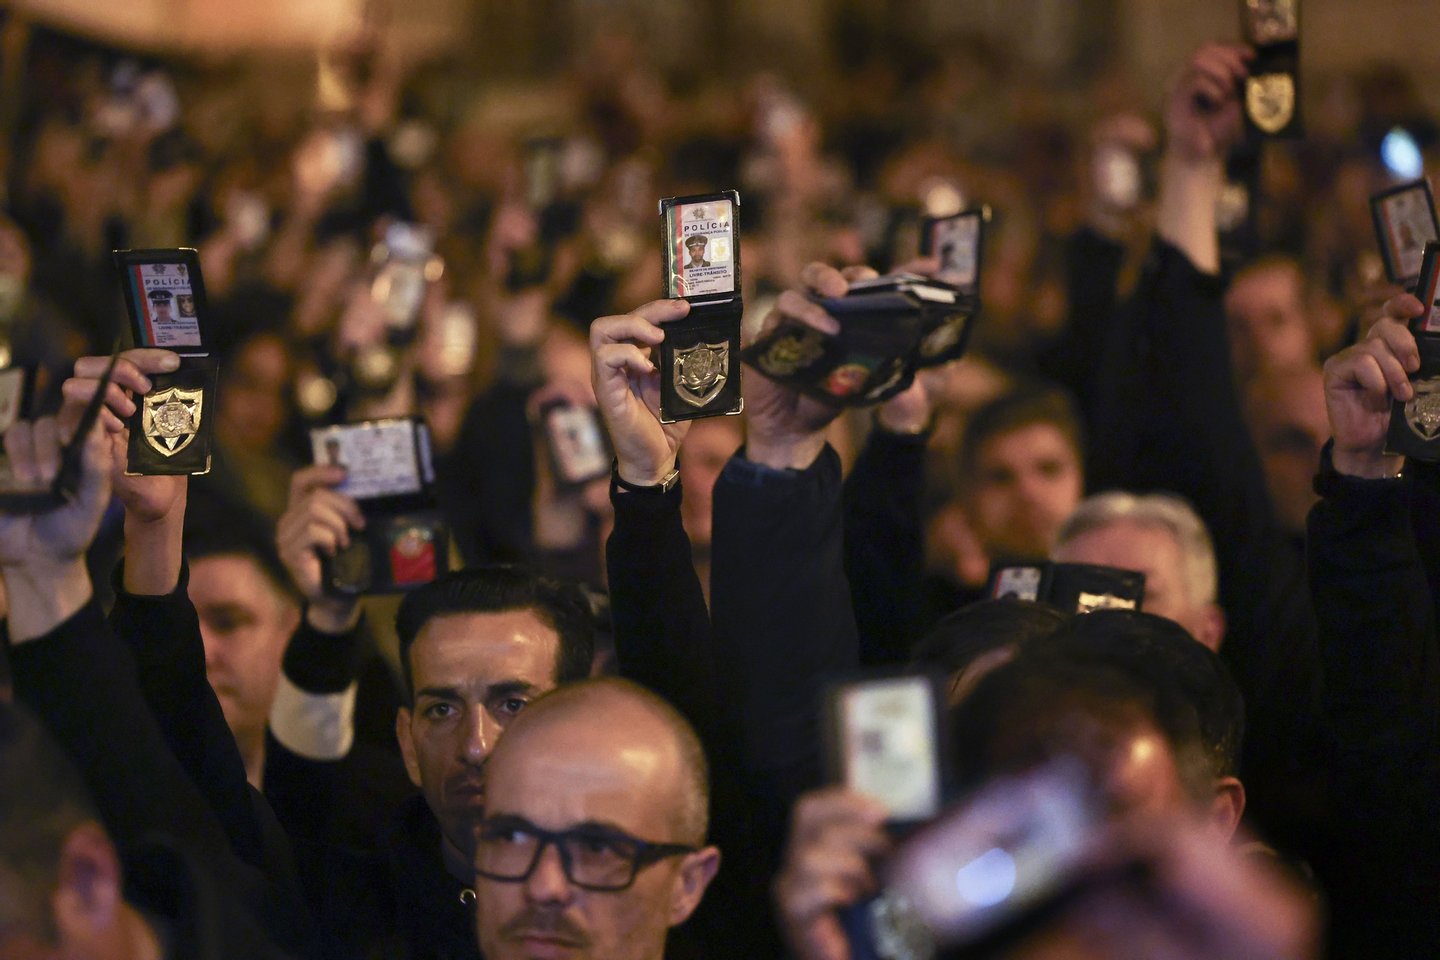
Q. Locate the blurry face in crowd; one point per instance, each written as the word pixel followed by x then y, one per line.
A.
pixel 1027 482
pixel 1265 308
pixel 622 776
pixel 245 621
pixel 472 673
pixel 1153 551
pixel 1287 419
pixel 14 254
pixel 706 450
pixel 252 403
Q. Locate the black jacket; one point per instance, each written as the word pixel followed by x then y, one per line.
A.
pixel 751 683
pixel 367 846
pixel 81 681
pixel 1168 418
pixel 1382 710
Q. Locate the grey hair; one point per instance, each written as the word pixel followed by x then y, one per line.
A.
pixel 1165 511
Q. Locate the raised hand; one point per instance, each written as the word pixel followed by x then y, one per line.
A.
pixel 317 521
pixel 834 836
pixel 627 390
pixel 42 554
pixel 1202 113
pixel 146 499
pixel 1360 384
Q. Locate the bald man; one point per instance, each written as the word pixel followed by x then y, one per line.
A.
pixel 596 815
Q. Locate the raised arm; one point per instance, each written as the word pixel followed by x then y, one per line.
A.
pixel 82 681
pixel 781 602
pixel 1378 643
pixel 153 615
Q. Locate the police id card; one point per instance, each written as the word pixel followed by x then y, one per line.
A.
pixel 165 298
pixel 702 256
pixel 170 431
pixel 700 358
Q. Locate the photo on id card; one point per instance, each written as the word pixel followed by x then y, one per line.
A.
pixel 700 253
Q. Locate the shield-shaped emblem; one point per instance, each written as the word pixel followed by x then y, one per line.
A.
pixel 1270 100
pixel 701 372
pixel 172 419
pixel 1422 412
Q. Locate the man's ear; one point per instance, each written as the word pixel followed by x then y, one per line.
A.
pixel 1227 807
pixel 696 872
pixel 407 744
pixel 89 898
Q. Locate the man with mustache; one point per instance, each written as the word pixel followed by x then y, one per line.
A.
pixel 593 843
pixel 476 647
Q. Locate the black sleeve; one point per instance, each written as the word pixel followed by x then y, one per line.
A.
pixel 1382 710
pixel 1092 272
pixel 782 612
pixel 663 640
pixel 661 624
pixel 163 634
pixel 885 544
pixel 307 794
pixel 82 683
pixel 1175 424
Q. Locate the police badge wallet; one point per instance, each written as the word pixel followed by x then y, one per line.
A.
pixel 390 473
pixel 700 358
pixel 1415 423
pixel 1271 93
pixel 164 294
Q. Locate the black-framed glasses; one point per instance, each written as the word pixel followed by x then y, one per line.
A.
pixel 593 857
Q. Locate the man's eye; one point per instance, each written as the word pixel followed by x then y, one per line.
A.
pixel 439 711
pixel 510 706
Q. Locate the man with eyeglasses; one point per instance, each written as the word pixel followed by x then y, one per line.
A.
pixel 593 841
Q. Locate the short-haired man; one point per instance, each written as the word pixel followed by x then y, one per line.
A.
pixel 247 609
pixel 476 647
pixel 1163 538
pixel 1022 473
pixel 593 844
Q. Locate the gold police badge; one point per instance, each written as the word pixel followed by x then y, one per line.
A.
pixel 700 372
pixel 1270 100
pixel 1422 412
pixel 172 419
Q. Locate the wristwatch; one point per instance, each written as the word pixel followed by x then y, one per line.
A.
pixel 666 484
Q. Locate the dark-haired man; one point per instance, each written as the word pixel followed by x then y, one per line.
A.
pixel 247 610
pixel 476 647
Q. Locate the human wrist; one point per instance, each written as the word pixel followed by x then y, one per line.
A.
pixel 645 473
pixel 1185 214
pixel 43 595
pixel 781 452
pixel 1366 464
pixel 153 552
pixel 332 615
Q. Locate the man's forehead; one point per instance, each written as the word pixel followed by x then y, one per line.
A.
pixel 557 781
pixel 486 647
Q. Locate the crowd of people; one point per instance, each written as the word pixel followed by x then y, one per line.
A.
pixel 604 733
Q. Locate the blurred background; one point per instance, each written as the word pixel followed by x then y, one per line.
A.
pixel 512 154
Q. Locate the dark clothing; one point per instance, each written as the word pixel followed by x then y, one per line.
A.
pixel 197 917
pixel 367 846
pixel 1382 710
pixel 885 545
pixel 1169 419
pixel 783 625
pixel 81 681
